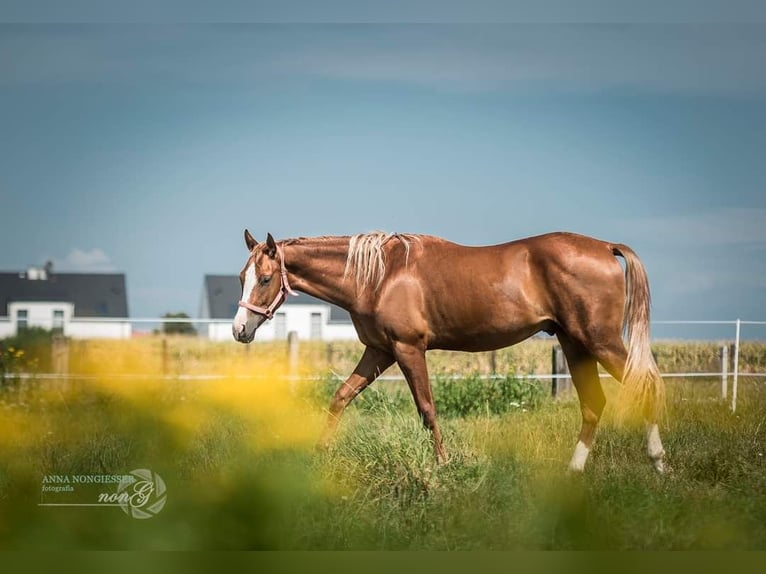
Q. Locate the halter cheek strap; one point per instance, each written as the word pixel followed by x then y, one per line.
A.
pixel 284 290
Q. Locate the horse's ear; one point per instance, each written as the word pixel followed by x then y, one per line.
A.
pixel 271 246
pixel 250 241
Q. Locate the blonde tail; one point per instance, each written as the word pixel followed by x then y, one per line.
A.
pixel 642 379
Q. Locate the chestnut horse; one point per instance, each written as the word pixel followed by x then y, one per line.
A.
pixel 410 293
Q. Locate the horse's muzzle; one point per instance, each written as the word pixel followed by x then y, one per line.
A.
pixel 241 335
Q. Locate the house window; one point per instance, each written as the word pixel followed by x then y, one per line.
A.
pixel 22 316
pixel 58 320
pixel 316 326
pixel 280 326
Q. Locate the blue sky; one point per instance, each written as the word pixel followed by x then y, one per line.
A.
pixel 147 149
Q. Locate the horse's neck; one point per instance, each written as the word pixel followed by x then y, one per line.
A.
pixel 316 267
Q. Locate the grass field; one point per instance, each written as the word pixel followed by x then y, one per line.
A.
pixel 241 472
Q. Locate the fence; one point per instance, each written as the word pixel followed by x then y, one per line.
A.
pixel 725 366
pixel 724 354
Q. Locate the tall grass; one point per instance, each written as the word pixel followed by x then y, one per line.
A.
pixel 237 455
pixel 180 355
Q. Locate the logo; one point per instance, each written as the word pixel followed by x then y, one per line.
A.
pixel 140 493
pixel 144 496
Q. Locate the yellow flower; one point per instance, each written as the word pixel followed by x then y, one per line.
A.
pixel 20 353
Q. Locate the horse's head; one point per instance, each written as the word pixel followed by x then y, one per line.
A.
pixel 264 287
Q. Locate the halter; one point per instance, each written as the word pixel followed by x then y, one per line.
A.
pixel 284 289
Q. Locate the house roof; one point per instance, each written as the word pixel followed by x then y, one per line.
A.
pixel 223 293
pixel 93 294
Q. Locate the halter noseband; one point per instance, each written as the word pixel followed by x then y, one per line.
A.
pixel 284 289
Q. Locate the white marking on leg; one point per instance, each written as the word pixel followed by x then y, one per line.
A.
pixel 245 317
pixel 577 464
pixel 654 447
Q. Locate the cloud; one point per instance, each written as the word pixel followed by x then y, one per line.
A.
pixel 93 260
pixel 691 59
pixel 727 226
pixel 698 59
pixel 689 281
pixel 703 255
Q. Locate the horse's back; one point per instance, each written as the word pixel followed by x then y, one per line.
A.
pixel 478 298
pixel 561 249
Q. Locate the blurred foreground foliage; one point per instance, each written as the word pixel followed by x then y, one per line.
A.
pixel 237 455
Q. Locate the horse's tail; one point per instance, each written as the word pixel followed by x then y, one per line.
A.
pixel 642 378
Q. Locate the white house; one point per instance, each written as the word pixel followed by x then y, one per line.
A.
pixel 79 305
pixel 311 318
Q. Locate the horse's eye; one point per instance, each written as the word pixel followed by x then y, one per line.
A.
pixel 265 280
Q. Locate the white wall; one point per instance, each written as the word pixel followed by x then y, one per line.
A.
pixel 40 314
pixel 340 332
pixel 98 330
pixel 298 319
pixel 219 331
pixel 7 328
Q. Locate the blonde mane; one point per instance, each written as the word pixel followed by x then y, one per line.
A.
pixel 366 260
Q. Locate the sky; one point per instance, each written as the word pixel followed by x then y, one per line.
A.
pixel 147 149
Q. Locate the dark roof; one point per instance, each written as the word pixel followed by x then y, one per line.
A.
pixel 93 294
pixel 223 293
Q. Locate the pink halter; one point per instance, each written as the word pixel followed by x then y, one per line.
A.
pixel 284 289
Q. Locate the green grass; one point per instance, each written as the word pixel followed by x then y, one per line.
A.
pixel 506 488
pixel 236 480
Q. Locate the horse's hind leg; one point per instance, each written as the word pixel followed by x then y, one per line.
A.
pixel 371 365
pixel 412 361
pixel 613 357
pixel 584 370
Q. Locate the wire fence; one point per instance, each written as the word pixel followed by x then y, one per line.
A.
pixel 717 358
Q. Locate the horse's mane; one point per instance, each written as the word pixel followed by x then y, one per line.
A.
pixel 366 259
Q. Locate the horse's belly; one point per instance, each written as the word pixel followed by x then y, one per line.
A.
pixel 485 339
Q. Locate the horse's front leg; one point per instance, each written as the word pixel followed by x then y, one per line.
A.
pixel 412 361
pixel 371 365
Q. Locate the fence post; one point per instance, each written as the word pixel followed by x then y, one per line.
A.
pixel 330 354
pixel 493 362
pixel 559 385
pixel 723 355
pixel 292 358
pixel 164 357
pixel 60 354
pixel 736 368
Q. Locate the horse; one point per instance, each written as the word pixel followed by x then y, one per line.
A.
pixel 408 293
